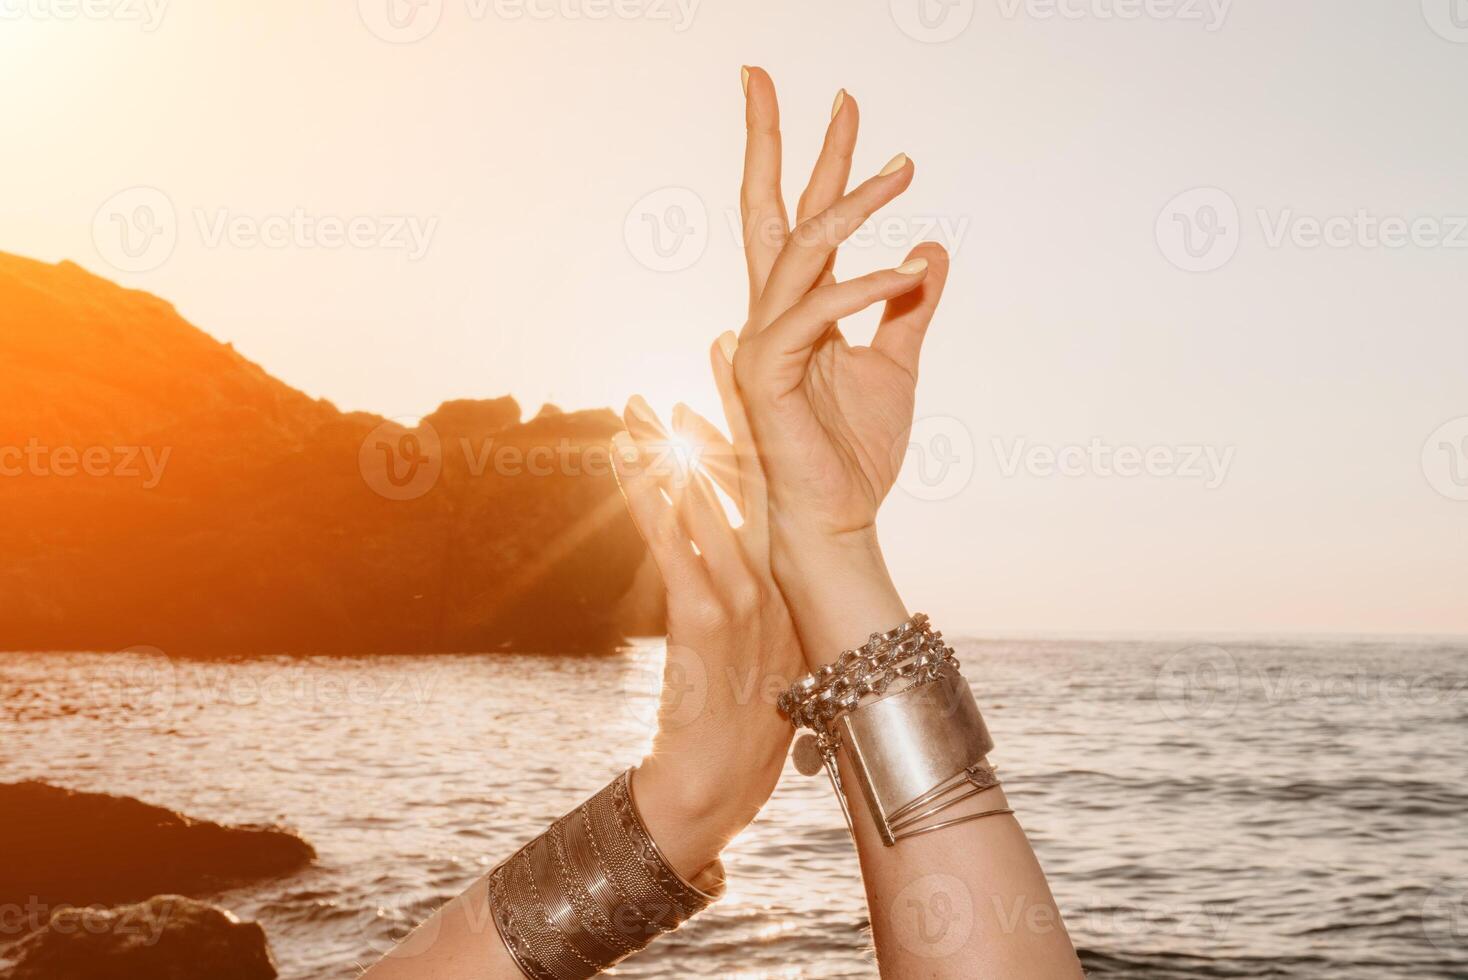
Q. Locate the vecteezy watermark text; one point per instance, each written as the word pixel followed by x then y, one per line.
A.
pixel 1201 230
pixel 402 459
pixel 300 229
pixel 123 462
pixel 669 229
pixel 1211 14
pixel 137 230
pixel 144 922
pixel 1207 683
pixel 147 14
pixel 937 21
pixel 1209 464
pixel 409 21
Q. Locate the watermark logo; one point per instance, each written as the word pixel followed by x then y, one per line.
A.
pixel 1198 230
pixel 1445 916
pixel 1448 19
pixel 401 21
pixel 667 694
pixel 136 688
pixel 933 916
pixel 1199 683
pixel 939 461
pixel 667 230
pixel 1445 459
pixel 136 230
pixel 932 21
pixel 401 459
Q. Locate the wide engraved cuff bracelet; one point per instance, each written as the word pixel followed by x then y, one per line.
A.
pixel 591 890
pixel 903 747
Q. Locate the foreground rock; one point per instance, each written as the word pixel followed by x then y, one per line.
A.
pixel 168 937
pixel 68 848
pixel 161 490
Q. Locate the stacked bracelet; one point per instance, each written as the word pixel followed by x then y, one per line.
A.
pixel 908 655
pixel 909 724
pixel 591 890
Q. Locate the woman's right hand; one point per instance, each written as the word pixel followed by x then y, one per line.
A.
pixel 831 420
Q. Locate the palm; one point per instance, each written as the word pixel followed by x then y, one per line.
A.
pixel 851 414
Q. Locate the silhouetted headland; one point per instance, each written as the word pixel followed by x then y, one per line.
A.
pixel 157 489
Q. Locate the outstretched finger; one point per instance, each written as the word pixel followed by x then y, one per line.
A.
pixel 833 167
pixel 698 509
pixel 814 241
pixel 711 451
pixel 656 520
pixel 751 472
pixel 761 204
pixel 775 359
pixel 905 320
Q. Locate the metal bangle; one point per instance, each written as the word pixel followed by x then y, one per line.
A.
pixel 980 779
pixel 591 890
pixel 979 776
pixel 949 823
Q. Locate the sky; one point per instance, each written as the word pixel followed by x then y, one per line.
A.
pixel 1201 362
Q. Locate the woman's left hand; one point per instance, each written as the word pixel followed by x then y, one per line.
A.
pixel 721 744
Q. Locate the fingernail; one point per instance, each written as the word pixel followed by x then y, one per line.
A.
pixel 639 407
pixel 840 100
pixel 894 165
pixel 728 344
pixel 912 267
pixel 625 449
pixel 744 78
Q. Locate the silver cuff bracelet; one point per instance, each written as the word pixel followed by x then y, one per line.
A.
pixel 916 740
pixel 906 746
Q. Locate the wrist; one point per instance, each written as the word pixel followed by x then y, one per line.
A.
pixel 693 809
pixel 837 587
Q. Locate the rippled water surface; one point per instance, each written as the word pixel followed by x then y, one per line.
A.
pixel 1242 809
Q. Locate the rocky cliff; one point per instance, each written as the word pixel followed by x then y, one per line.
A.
pixel 158 489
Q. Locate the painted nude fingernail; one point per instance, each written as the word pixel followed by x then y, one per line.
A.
pixel 728 344
pixel 840 101
pixel 639 407
pixel 744 78
pixel 912 267
pixel 893 165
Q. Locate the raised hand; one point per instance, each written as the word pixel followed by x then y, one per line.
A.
pixel 831 420
pixel 720 744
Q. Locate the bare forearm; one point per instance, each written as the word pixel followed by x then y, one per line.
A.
pixel 967 901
